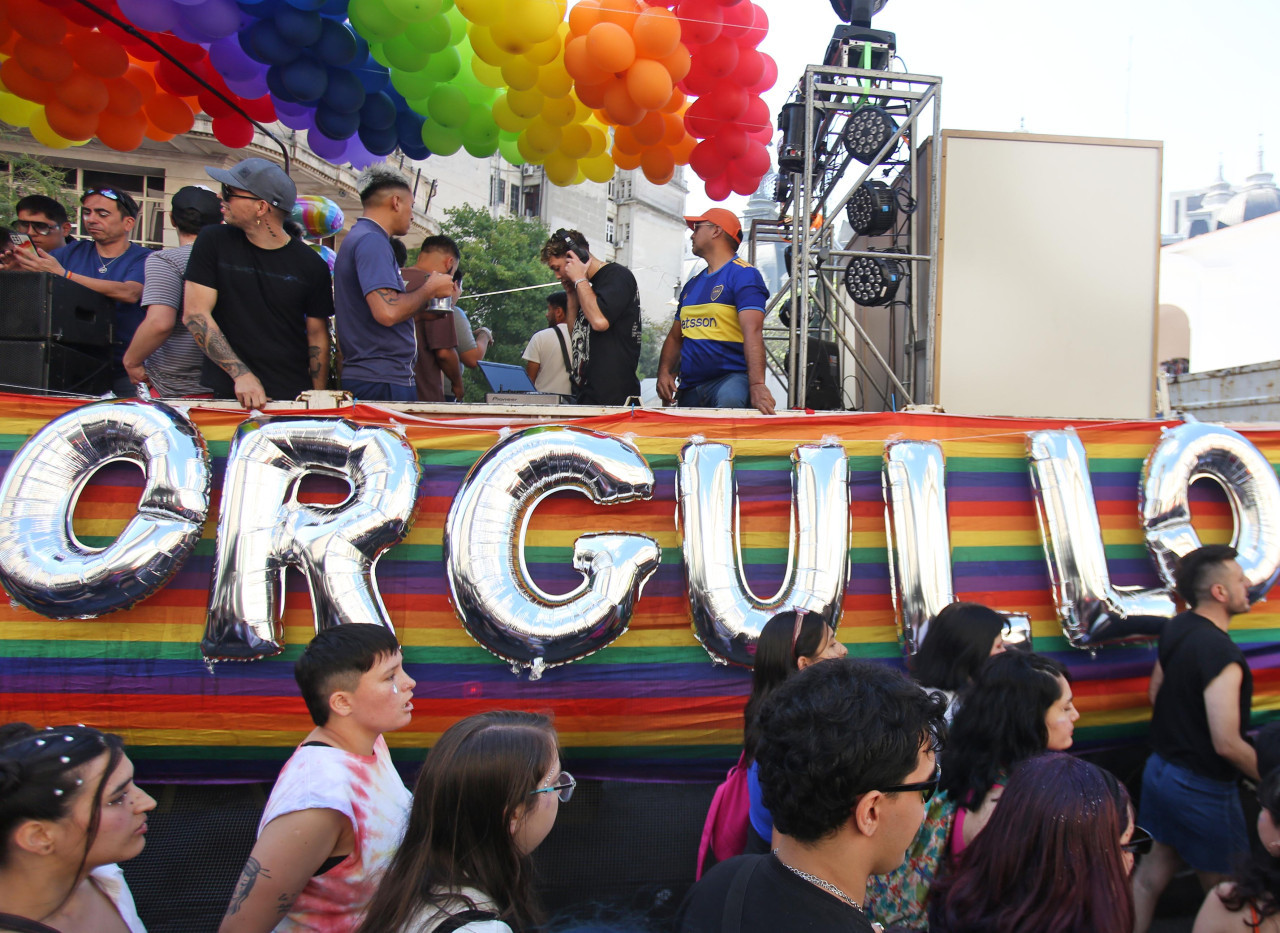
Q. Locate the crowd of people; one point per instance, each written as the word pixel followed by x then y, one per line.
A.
pixel 255 303
pixel 867 811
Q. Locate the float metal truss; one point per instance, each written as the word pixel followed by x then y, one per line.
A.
pixel 813 202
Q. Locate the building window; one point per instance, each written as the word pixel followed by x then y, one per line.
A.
pixel 612 189
pixel 532 207
pixel 515 199
pixel 609 232
pixel 624 232
pixel 624 189
pixel 147 190
pixel 497 191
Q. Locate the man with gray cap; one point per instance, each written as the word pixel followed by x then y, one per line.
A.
pixel 161 353
pixel 257 301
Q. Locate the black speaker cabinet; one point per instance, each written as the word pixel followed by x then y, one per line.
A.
pixel 40 364
pixel 40 306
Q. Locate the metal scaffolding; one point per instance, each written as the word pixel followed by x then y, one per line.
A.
pixel 813 200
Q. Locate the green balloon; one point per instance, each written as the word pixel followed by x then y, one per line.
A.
pixel 441 140
pixel 414 85
pixel 457 25
pixel 413 11
pixel 449 107
pixel 402 53
pixel 480 135
pixel 379 54
pixel 444 65
pixel 507 146
pixel 431 36
pixel 373 20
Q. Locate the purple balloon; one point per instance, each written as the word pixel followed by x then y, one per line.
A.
pixel 359 156
pixel 228 59
pixel 215 18
pixel 295 116
pixel 155 15
pixel 331 150
pixel 250 88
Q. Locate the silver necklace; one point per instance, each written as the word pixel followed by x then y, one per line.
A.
pixel 825 885
pixel 105 264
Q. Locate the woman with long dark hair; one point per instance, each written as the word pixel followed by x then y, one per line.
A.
pixel 486 797
pixel 1019 705
pixel 69 811
pixel 789 642
pixel 957 642
pixel 1052 859
pixel 1252 901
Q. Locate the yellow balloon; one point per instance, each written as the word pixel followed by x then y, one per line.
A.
pixel 483 45
pixel 599 169
pixel 43 134
pixel 584 114
pixel 599 141
pixel 486 74
pixel 520 73
pixel 554 81
pixel 480 11
pixel 561 170
pixel 542 136
pixel 511 36
pixel 575 141
pixel 544 53
pixel 15 111
pixel 558 111
pixel 527 151
pixel 506 118
pixel 540 18
pixel 527 104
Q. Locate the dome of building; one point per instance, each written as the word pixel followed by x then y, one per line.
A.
pixel 1259 197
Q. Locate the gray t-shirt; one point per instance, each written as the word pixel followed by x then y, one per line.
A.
pixel 174 368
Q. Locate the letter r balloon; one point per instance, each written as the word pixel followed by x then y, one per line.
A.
pixel 262 528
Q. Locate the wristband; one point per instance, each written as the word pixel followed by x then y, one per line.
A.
pixel 578 282
pixel 66 273
pixel 754 384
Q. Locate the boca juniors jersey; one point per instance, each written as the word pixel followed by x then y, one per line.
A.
pixel 708 315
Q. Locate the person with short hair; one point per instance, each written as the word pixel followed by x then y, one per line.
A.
pixel 338 809
pixel 375 311
pixel 716 343
pixel 1054 858
pixel 106 263
pixel 69 812
pixel 161 353
pixel 847 761
pixel 487 796
pixel 546 356
pixel 257 301
pixel 603 317
pixel 449 337
pixel 1202 693
pixel 44 220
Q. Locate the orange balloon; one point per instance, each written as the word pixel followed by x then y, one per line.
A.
pixel 625 160
pixel 578 62
pixel 649 130
pixel 658 165
pixel 140 78
pixel 682 150
pixel 649 83
pixel 19 82
pixel 124 134
pixel 84 92
pixel 159 135
pixel 675 103
pixel 170 114
pixel 677 63
pixel 673 130
pixel 657 32
pixel 584 15
pixel 123 97
pixel 620 12
pixel 624 140
pixel 69 123
pixel 622 110
pixel 592 95
pixel 50 63
pixel 611 47
pixel 98 54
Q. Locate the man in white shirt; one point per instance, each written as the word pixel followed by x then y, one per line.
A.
pixel 547 354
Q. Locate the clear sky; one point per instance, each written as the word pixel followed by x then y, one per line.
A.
pixel 1200 75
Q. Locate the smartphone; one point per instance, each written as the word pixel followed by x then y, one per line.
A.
pixel 20 240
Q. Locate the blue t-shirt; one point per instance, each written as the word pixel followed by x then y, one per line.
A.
pixel 708 316
pixel 371 352
pixel 81 257
pixel 761 818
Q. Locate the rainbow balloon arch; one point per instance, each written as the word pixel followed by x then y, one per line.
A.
pixel 609 84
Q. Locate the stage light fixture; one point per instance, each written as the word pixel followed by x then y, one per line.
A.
pixel 866 133
pixel 873 209
pixel 873 280
pixel 791 147
pixel 857 12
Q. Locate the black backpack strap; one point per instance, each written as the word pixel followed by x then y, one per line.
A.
pixel 564 354
pixel 23 925
pixel 737 896
pixel 461 919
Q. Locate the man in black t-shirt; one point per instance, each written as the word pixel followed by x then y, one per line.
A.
pixel 846 760
pixel 257 301
pixel 1202 691
pixel 603 319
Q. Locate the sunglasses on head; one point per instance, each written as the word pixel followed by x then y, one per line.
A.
pixel 1139 843
pixel 926 788
pixel 127 205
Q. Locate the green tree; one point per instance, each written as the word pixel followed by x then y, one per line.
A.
pixel 22 174
pixel 651 340
pixel 498 255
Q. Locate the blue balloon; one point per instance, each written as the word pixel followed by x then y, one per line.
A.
pixel 379 142
pixel 336 45
pixel 263 43
pixel 300 27
pixel 306 79
pixel 261 9
pixel 275 84
pixel 409 126
pixel 336 125
pixel 345 93
pixel 378 112
pixel 417 151
pixel 306 4
pixel 372 75
pixel 335 9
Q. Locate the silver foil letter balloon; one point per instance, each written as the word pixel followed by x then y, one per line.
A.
pixel 44 566
pixel 262 527
pixel 727 616
pixel 1092 611
pixel 499 604
pixel 1189 452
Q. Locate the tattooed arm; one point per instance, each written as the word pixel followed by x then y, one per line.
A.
pixel 286 855
pixel 390 307
pixel 197 314
pixel 318 351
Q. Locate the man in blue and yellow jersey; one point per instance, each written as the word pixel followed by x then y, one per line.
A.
pixel 716 343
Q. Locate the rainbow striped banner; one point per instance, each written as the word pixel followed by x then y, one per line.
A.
pixel 650 706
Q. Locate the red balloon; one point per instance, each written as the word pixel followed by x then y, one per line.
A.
pixel 770 76
pixel 732 142
pixel 19 82
pixel 705 160
pixel 701 119
pixel 260 108
pixel 719 188
pixel 83 92
pixel 750 68
pixel 755 161
pixel 98 54
pixel 51 63
pixel 169 114
pixel 700 21
pixel 177 82
pixel 717 58
pixel 697 82
pixel 740 182
pixel 759 28
pixel 37 22
pixel 214 106
pixel 123 98
pixel 69 123
pixel 756 116
pixel 730 100
pixel 235 132
pixel 123 134
pixel 737 20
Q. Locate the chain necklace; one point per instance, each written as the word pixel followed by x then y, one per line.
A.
pixel 825 885
pixel 105 264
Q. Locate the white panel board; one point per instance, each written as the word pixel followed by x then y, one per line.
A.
pixel 1048 253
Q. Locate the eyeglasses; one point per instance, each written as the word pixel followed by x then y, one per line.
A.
pixel 34 226
pixel 563 786
pixel 926 788
pixel 228 195
pixel 1139 843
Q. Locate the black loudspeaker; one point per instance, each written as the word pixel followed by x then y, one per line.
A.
pixel 822 385
pixel 43 364
pixel 40 306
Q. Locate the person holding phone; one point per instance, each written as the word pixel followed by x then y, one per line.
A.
pixel 41 222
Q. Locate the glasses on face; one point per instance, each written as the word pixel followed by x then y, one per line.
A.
pixel 563 787
pixel 34 226
pixel 1139 843
pixel 228 195
pixel 926 788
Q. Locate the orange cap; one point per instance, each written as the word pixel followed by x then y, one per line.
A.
pixel 725 220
